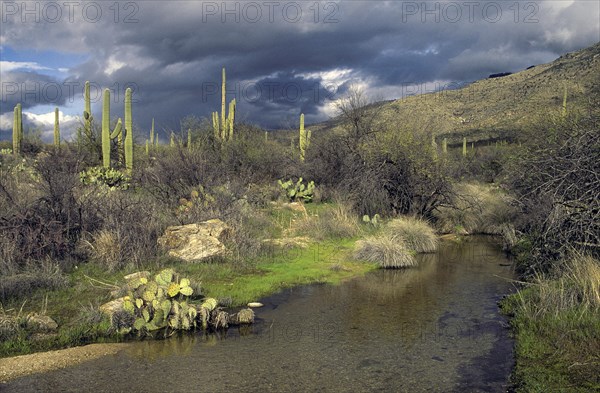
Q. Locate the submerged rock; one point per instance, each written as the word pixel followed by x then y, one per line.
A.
pixel 195 242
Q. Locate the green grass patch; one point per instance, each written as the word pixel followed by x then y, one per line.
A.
pixel 328 262
pixel 556 324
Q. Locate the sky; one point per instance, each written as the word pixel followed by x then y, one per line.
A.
pixel 282 58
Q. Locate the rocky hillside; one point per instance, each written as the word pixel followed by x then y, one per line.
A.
pixel 498 108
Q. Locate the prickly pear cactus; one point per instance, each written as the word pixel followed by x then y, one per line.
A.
pixel 298 191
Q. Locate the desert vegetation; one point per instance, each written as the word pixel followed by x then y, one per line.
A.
pixel 76 216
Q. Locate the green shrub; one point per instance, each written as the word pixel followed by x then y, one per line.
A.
pixel 112 178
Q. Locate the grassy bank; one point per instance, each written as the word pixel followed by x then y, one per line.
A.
pixel 75 307
pixel 556 323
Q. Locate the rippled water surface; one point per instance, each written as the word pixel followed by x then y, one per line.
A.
pixel 434 328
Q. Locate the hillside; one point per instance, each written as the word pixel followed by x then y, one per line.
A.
pixel 498 108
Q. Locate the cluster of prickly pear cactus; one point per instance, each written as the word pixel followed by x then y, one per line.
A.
pixel 375 220
pixel 162 303
pixel 17 129
pixel 56 129
pixel 298 191
pixel 223 128
pixel 304 138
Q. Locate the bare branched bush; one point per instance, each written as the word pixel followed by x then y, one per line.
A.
pixel 557 181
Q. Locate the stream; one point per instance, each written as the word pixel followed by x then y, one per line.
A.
pixel 433 328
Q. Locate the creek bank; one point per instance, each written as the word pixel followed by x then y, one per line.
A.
pixel 20 366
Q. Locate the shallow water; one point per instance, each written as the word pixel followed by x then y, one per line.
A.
pixel 435 328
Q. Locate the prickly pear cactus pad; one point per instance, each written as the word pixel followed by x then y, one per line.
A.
pixel 162 303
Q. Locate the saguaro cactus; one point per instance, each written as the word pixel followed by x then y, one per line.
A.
pixel 107 135
pixel 223 128
pixel 223 98
pixel 56 129
pixel 304 138
pixel 87 113
pixel 564 104
pixel 189 139
pixel 17 129
pixel 445 146
pixel 152 133
pixel 464 150
pixel 434 148
pixel 128 131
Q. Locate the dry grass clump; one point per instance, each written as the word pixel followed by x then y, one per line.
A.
pixel 333 222
pixel 417 235
pixel 578 287
pixel 476 208
pixel 385 251
pixel 105 249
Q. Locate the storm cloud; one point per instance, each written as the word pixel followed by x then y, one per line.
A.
pixel 282 58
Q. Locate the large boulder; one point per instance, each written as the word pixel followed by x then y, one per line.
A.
pixel 195 242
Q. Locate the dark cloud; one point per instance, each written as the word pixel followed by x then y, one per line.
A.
pixel 172 52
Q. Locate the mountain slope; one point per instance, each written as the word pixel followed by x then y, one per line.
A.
pixel 498 108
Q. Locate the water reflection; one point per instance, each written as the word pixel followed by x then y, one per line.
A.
pixel 431 328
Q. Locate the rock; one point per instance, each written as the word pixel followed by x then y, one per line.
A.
pixel 195 242
pixel 242 317
pixel 41 323
pixel 136 275
pixel 255 304
pixel 287 242
pixel 112 307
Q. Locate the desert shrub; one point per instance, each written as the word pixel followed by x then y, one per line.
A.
pixel 173 172
pixel 476 208
pixel 388 172
pixel 336 221
pixel 126 227
pixel 385 251
pixel 46 276
pixel 249 227
pixel 417 235
pixel 555 178
pixel 46 221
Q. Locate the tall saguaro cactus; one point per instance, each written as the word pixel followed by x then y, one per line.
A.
pixel 87 113
pixel 223 125
pixel 17 129
pixel 128 131
pixel 107 135
pixel 445 146
pixel 464 149
pixel 223 98
pixel 56 129
pixel 304 138
pixel 152 134
pixel 434 148
pixel 564 104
